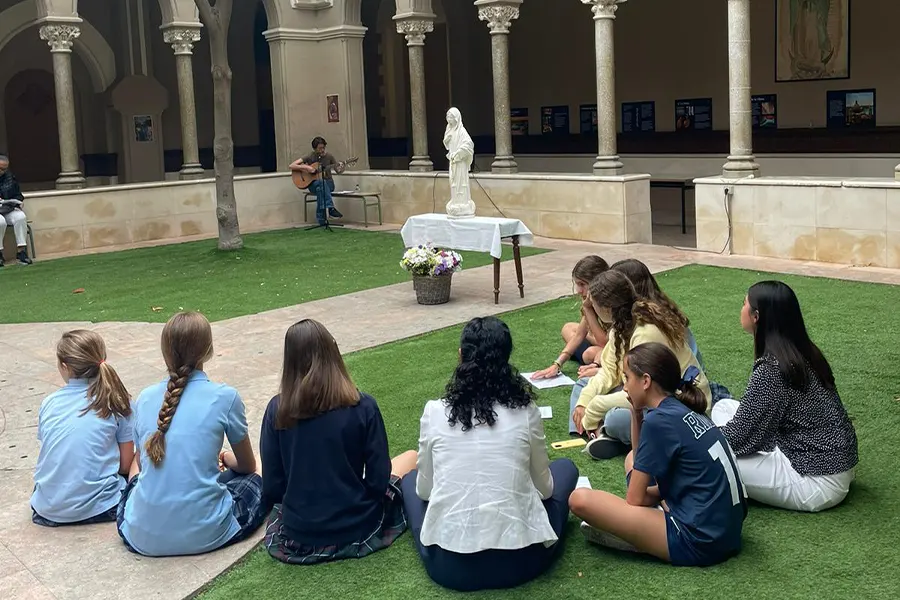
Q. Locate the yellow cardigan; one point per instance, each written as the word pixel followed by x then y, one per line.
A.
pixel 597 398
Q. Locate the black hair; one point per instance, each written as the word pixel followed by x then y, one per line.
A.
pixel 318 140
pixel 484 376
pixel 781 334
pixel 660 363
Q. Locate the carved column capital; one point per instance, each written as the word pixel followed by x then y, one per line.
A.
pixel 60 37
pixel 498 14
pixel 182 40
pixel 604 9
pixel 414 30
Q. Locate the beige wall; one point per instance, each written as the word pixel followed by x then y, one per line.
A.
pixel 853 222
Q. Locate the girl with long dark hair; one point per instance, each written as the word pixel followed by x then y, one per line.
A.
pixel 679 462
pixel 486 508
pixel 328 474
pixel 795 444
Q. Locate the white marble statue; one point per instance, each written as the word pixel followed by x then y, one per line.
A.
pixel 461 153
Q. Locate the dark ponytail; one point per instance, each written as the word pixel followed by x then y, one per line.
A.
pixel 661 364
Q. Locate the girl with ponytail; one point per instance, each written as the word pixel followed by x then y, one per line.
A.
pixel 85 431
pixel 182 481
pixel 686 502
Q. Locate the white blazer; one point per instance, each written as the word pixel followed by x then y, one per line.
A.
pixel 484 486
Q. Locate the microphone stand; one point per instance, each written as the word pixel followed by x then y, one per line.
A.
pixel 321 196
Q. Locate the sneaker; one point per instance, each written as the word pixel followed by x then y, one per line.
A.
pixel 335 213
pixel 605 539
pixel 23 258
pixel 604 447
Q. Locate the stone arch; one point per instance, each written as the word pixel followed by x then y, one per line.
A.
pixel 91 47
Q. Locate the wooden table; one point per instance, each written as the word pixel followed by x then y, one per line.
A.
pixel 478 234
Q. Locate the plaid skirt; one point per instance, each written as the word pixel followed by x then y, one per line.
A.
pixel 393 523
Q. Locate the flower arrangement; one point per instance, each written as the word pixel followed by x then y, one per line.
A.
pixel 427 261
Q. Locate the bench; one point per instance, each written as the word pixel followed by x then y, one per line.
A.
pixel 310 198
pixel 676 182
pixel 30 233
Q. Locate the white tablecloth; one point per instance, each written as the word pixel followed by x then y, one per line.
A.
pixel 478 234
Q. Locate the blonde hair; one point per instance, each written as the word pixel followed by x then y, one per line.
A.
pixel 84 353
pixel 186 345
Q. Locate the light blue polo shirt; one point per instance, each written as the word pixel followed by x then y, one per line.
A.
pixel 77 472
pixel 180 507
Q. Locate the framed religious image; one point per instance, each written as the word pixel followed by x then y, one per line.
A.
pixel 334 108
pixel 853 109
pixel 812 40
pixel 143 128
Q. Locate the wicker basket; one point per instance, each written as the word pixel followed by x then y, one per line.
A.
pixel 432 290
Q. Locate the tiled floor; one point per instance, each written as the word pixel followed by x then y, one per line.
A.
pixel 90 562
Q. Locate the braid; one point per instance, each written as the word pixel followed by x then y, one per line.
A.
pixel 623 323
pixel 156 445
pixel 672 324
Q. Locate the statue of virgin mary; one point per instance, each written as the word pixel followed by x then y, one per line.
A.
pixel 461 153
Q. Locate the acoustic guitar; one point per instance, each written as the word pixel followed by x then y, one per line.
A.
pixel 303 180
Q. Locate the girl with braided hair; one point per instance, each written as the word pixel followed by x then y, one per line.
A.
pixel 85 432
pixel 185 495
pixel 631 321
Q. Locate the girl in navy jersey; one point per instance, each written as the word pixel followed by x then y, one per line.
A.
pixel 685 503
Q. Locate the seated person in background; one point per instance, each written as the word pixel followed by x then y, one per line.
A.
pixel 185 495
pixel 680 462
pixel 324 451
pixel 584 339
pixel 795 444
pixel 324 187
pixel 632 322
pixel 86 435
pixel 486 508
pixel 11 213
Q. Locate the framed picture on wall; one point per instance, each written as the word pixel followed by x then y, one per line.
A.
pixel 693 115
pixel 555 120
pixel 765 111
pixel 812 40
pixel 638 116
pixel 334 108
pixel 143 129
pixel 853 109
pixel 587 115
pixel 518 118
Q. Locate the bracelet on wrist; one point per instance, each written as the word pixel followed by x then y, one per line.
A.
pixel 558 365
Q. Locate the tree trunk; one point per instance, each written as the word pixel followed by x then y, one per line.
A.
pixel 216 16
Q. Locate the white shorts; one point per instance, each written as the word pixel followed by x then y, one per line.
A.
pixel 771 479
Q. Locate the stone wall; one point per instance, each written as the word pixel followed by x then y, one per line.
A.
pixel 846 221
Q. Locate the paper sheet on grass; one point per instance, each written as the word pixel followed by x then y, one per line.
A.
pixel 583 482
pixel 544 384
pixel 546 412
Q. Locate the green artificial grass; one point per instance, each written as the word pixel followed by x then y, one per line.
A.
pixel 847 552
pixel 274 270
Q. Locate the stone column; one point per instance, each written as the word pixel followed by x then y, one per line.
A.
pixel 607 162
pixel 897 172
pixel 182 41
pixel 60 38
pixel 415 29
pixel 741 162
pixel 499 14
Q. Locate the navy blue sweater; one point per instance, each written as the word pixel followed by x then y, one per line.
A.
pixel 329 473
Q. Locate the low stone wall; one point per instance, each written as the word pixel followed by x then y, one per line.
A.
pixel 845 221
pixel 73 221
pixel 581 207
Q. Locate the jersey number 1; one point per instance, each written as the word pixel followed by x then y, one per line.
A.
pixel 718 452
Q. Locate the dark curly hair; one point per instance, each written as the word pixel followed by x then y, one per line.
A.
pixel 484 376
pixel 613 290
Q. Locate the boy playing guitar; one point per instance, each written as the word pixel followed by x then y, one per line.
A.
pixel 319 165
